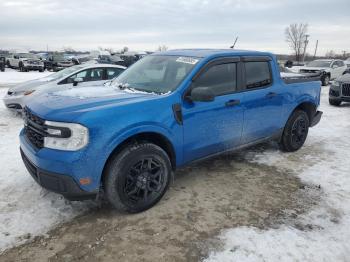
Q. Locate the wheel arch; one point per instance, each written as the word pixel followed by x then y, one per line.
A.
pixel 148 136
pixel 307 106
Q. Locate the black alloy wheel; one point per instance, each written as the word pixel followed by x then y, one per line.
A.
pixel 137 177
pixel 295 131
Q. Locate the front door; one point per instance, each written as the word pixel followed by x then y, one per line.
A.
pixel 211 127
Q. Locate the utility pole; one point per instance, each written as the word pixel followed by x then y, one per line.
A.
pixel 233 46
pixel 305 45
pixel 316 49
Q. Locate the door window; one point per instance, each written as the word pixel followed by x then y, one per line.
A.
pixel 257 74
pixel 82 74
pixel 113 72
pixel 222 79
pixel 96 74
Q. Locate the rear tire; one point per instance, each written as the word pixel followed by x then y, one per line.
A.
pixel 295 132
pixel 137 177
pixel 334 102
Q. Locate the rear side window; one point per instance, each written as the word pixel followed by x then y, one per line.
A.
pixel 257 74
pixel 222 79
pixel 113 72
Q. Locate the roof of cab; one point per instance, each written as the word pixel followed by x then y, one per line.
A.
pixel 210 52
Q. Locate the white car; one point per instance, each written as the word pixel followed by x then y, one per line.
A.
pixel 327 68
pixel 72 77
pixel 25 62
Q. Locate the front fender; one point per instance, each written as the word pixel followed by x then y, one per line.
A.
pixel 133 130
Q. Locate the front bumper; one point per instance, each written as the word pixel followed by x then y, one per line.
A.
pixel 61 171
pixel 58 183
pixel 316 119
pixel 336 93
pixel 34 67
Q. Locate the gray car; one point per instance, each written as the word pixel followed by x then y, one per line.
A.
pixel 340 90
pixel 72 77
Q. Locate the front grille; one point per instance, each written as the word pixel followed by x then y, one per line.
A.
pixel 34 128
pixel 345 89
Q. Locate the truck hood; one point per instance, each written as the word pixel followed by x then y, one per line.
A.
pixel 69 104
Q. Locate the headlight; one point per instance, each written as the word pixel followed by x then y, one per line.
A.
pixel 336 84
pixel 27 93
pixel 66 136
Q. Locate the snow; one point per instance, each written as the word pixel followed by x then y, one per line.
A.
pixel 328 238
pixel 11 76
pixel 24 206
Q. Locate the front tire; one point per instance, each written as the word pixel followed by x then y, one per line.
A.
pixel 295 131
pixel 334 102
pixel 137 177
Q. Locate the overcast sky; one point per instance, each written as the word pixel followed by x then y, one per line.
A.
pixel 144 25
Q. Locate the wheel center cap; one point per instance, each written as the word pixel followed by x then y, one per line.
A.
pixel 142 180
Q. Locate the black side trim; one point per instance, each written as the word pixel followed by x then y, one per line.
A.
pixel 274 137
pixel 178 113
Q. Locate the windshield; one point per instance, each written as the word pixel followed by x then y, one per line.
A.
pixel 27 55
pixel 64 72
pixel 319 63
pixel 156 74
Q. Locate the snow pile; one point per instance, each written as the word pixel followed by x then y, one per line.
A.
pixel 325 231
pixel 11 76
pixel 25 208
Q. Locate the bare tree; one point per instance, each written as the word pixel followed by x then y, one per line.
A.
pixel 296 36
pixel 162 48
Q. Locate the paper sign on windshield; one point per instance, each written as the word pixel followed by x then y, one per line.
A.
pixel 187 60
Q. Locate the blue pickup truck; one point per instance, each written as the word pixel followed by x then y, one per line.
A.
pixel 124 140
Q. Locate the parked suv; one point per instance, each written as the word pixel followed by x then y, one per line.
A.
pixel 57 62
pixel 167 110
pixel 25 62
pixel 328 68
pixel 340 90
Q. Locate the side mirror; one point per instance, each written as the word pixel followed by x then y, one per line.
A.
pixel 77 80
pixel 202 94
pixel 335 66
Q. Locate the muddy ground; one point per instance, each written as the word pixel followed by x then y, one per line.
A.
pixel 205 198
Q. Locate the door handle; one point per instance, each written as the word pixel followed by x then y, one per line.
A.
pixel 232 103
pixel 271 95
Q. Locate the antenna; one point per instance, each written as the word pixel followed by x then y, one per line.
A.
pixel 233 46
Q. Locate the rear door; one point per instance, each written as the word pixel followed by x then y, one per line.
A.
pixel 211 127
pixel 262 100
